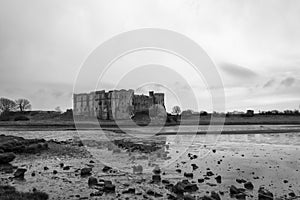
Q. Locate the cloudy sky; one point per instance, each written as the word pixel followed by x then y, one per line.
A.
pixel 255 45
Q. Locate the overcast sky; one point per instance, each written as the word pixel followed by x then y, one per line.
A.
pixel 255 45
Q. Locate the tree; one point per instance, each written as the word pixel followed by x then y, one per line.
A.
pixel 57 109
pixel 187 112
pixel 176 110
pixel 7 105
pixel 23 104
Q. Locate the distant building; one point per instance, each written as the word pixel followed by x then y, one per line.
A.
pixel 114 104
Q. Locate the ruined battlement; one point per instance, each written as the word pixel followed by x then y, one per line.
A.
pixel 114 104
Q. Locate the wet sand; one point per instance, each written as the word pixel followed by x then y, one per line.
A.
pixel 269 160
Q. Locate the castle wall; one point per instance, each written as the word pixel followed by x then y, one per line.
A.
pixel 115 104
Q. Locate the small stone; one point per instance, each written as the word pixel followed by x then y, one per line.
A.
pixel 156 178
pixel 249 186
pixel 156 170
pixel 264 194
pixel 188 175
pixel 6 157
pixel 46 168
pixel 194 166
pixel 61 165
pixel 106 169
pixel 54 172
pixel 209 173
pixel 85 171
pixel 19 173
pixel 214 150
pixel 178 170
pixel 200 180
pixel 92 181
pixel 219 179
pixel 66 168
pixel 215 195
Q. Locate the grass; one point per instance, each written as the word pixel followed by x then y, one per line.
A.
pixel 9 193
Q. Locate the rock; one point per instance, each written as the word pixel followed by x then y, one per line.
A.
pixel 92 181
pixel 153 193
pixel 249 186
pixel 165 181
pixel 61 165
pixel 156 178
pixel 46 168
pixel 194 166
pixel 234 190
pixel 200 180
pixel 241 181
pixel 5 158
pixel 54 172
pixel 86 171
pixel 264 194
pixel 178 170
pixel 188 197
pixel 214 150
pixel 19 173
pixel 156 170
pixel 109 187
pixel 106 169
pixel 215 195
pixel 188 175
pixel 209 173
pixel 66 168
pixel 33 174
pixel 129 191
pixel 211 184
pixel 219 179
pixel 184 186
pixel 240 196
pixel 91 161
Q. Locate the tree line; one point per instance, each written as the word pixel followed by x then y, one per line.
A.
pixel 8 105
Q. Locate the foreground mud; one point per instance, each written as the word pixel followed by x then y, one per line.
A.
pixel 146 169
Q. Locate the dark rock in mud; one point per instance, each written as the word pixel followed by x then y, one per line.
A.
pixel 129 191
pixel 200 180
pixel 249 186
pixel 188 197
pixel 234 190
pixel 219 179
pixel 188 175
pixel 66 168
pixel 20 145
pixel 264 194
pixel 109 187
pixel 19 173
pixel 5 158
pixel 209 173
pixel 156 170
pixel 215 195
pixel 86 171
pixel 106 169
pixel 92 181
pixel 184 186
pixel 241 181
pixel 153 193
pixel 194 166
pixel 156 178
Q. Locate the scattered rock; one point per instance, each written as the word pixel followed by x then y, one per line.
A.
pixel 188 175
pixel 200 180
pixel 178 170
pixel 241 181
pixel 264 194
pixel 156 170
pixel 215 195
pixel 249 186
pixel 5 158
pixel 54 172
pixel 106 169
pixel 209 173
pixel 219 179
pixel 86 171
pixel 194 166
pixel 92 181
pixel 129 191
pixel 66 168
pixel 156 178
pixel 19 173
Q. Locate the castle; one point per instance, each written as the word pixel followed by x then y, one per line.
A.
pixel 114 104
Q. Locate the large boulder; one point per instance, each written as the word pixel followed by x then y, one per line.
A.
pixel 5 158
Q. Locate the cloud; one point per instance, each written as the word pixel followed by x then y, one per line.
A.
pixel 237 71
pixel 287 82
pixel 269 83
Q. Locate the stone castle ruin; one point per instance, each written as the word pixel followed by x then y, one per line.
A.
pixel 114 104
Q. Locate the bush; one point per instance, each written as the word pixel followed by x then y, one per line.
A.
pixel 21 118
